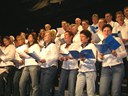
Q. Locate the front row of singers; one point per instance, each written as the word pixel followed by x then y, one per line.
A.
pixel 37 77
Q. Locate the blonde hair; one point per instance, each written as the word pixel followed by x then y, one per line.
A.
pixel 52 33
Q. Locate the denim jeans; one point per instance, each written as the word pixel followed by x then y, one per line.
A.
pixel 6 81
pixel 85 77
pixel 33 73
pixel 47 79
pixel 111 75
pixel 16 80
pixel 70 76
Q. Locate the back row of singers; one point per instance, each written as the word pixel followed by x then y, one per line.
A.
pixel 42 72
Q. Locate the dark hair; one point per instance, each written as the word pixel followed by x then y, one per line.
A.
pixel 126 7
pixel 85 20
pixel 118 12
pixel 71 34
pixel 34 38
pixel 88 34
pixel 7 37
pixel 107 25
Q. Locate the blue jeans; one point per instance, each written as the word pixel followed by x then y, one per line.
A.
pixel 47 79
pixel 71 76
pixel 111 75
pixel 16 80
pixel 33 72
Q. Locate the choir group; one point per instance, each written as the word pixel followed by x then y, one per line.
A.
pixel 75 56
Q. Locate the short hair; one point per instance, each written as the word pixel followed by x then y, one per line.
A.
pixel 126 7
pixel 118 12
pixel 85 20
pixel 108 13
pixel 95 15
pixel 87 33
pixel 103 20
pixel 70 33
pixel 21 37
pixel 107 25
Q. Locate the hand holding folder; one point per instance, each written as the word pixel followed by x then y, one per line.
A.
pixel 103 48
pixel 108 45
pixel 1 52
pixel 16 62
pixel 35 56
pixel 87 53
pixel 112 43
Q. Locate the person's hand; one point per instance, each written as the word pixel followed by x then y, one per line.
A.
pixel 82 59
pixel 100 55
pixel 42 60
pixel 26 51
pixel 64 58
pixel 20 61
pixel 114 53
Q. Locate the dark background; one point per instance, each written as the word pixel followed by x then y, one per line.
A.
pixel 16 17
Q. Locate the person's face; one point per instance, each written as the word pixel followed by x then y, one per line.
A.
pixel 108 17
pixel 74 29
pixel 101 23
pixel 106 31
pixel 126 13
pixel 30 38
pixel 20 41
pixel 84 39
pixel 42 32
pixel 84 25
pixel 67 37
pixel 47 27
pixel 6 42
pixel 95 20
pixel 47 37
pixel 63 23
pixel 120 18
pixel 78 21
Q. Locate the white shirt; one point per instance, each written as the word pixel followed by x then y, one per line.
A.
pixel 20 50
pixel 126 20
pixel 89 64
pixel 111 60
pixel 9 54
pixel 29 60
pixel 100 34
pixel 80 28
pixel 113 24
pixel 76 38
pixel 50 54
pixel 70 63
pixel 123 29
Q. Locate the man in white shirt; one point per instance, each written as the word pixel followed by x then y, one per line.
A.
pixel 126 14
pixel 78 24
pixel 95 19
pixel 123 28
pixel 108 18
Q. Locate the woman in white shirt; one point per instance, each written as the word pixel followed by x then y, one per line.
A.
pixel 112 66
pixel 31 67
pixel 49 57
pixel 69 67
pixel 6 77
pixel 87 69
pixel 21 46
